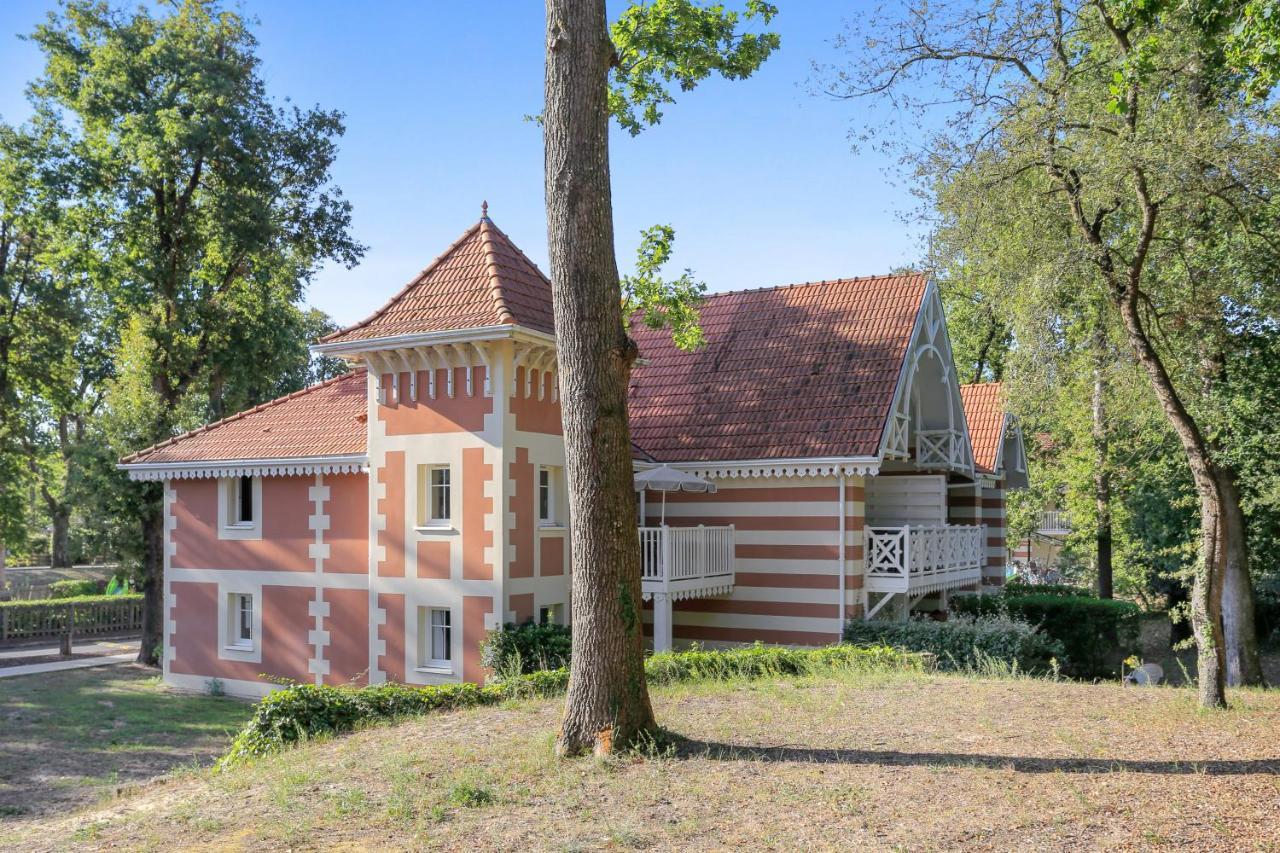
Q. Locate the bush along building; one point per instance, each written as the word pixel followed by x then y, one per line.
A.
pixel 377 526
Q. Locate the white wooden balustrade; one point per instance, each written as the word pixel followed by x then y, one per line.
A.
pixel 683 562
pixel 919 559
pixel 1054 522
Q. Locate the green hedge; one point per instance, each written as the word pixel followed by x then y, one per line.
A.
pixel 306 711
pixel 965 643
pixel 76 588
pixel 34 603
pixel 1096 633
pixel 1015 587
pixel 525 648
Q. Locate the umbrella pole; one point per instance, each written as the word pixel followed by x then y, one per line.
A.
pixel 664 508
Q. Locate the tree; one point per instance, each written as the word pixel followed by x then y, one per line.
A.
pixel 651 45
pixel 1112 117
pixel 206 198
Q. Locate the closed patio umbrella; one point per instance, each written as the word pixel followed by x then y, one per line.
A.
pixel 664 479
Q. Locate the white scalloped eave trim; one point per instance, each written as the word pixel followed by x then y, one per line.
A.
pixel 265 469
pixel 733 472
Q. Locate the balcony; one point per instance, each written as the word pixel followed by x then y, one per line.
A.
pixel 682 562
pixel 915 560
pixel 1054 522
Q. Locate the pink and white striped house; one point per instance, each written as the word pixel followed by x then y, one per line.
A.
pixel 375 527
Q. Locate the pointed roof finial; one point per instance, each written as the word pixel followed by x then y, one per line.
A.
pixel 484 210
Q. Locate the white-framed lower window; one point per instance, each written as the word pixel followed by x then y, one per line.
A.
pixel 435 638
pixel 435 496
pixel 240 620
pixel 551 614
pixel 548 496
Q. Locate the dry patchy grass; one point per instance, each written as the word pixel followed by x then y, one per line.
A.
pixel 867 762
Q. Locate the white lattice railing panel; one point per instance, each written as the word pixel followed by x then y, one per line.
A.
pixel 924 558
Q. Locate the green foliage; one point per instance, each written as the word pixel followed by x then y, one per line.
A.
pixel 526 648
pixel 965 643
pixel 305 711
pixel 75 588
pixel 36 603
pixel 1096 634
pixel 660 303
pixel 664 42
pixel 1016 588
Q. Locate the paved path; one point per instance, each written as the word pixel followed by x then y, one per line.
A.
pixel 103 653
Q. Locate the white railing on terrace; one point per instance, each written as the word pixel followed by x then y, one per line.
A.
pixel 682 559
pixel 939 447
pixel 1055 521
pixel 924 558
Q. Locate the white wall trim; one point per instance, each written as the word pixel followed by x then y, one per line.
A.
pixel 817 467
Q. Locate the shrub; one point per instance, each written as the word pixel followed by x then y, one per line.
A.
pixel 48 616
pixel 304 711
pixel 1096 633
pixel 1016 587
pixel 965 643
pixel 75 588
pixel 526 648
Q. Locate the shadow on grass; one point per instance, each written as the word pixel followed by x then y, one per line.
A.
pixel 688 749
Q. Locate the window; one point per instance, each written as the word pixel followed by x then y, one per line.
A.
pixel 547 489
pixel 240 620
pixel 435 637
pixel 551 614
pixel 240 502
pixel 434 494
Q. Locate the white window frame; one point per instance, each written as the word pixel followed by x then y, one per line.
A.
pixel 427 518
pixel 240 604
pixel 552 490
pixel 229 524
pixel 230 645
pixel 427 661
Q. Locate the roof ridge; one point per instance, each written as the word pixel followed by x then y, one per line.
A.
pixel 825 281
pixel 488 237
pixel 414 282
pixel 238 416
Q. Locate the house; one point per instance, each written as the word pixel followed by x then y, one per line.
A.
pixel 376 526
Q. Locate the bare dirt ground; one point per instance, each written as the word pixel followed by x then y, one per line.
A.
pixel 869 762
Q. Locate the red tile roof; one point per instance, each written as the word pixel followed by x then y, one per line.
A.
pixel 806 370
pixel 324 420
pixel 984 409
pixel 481 280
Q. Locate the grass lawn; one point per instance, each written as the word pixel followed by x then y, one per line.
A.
pixel 872 762
pixel 70 738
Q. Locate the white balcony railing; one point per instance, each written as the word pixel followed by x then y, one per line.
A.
pixel 922 559
pixel 1055 521
pixel 686 561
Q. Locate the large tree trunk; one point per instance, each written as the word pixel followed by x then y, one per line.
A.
pixel 608 701
pixel 1244 666
pixel 1102 471
pixel 4 589
pixel 1206 590
pixel 60 539
pixel 152 587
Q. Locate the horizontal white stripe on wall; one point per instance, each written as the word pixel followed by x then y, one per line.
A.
pixel 803 567
pixel 817 509
pixel 787 537
pixel 775 623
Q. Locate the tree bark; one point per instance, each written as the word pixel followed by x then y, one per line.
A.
pixel 60 539
pixel 1244 666
pixel 152 587
pixel 1102 471
pixel 1206 590
pixel 607 706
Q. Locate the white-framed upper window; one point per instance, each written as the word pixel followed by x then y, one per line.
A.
pixel 240 620
pixel 435 638
pixel 435 494
pixel 548 496
pixel 240 507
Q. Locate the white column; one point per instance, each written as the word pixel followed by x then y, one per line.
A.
pixel 661 622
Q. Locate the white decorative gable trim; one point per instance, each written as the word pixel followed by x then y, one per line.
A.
pixel 938 446
pixel 351 464
pixel 827 467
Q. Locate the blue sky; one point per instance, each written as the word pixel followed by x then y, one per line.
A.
pixel 758 177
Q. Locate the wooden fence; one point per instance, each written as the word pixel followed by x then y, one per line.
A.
pixel 99 616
